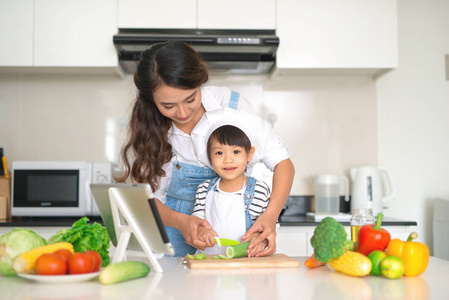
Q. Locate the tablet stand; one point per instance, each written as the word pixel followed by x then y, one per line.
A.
pixel 125 226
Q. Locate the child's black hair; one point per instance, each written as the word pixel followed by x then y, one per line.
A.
pixel 228 135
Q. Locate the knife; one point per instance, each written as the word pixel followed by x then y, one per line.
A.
pixel 225 242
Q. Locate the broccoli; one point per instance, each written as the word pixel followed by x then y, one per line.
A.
pixel 329 240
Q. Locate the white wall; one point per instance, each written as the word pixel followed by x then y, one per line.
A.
pixel 329 123
pixel 413 114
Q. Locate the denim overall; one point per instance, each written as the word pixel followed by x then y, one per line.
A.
pixel 182 190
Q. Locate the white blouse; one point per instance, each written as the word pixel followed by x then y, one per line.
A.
pixel 191 149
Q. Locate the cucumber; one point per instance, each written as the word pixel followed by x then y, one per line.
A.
pixel 237 250
pixel 123 271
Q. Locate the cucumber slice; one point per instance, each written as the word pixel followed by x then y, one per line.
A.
pixel 223 257
pixel 200 256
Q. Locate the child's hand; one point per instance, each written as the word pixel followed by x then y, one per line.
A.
pixel 258 247
pixel 207 236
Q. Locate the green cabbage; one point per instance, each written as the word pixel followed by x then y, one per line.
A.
pixel 14 243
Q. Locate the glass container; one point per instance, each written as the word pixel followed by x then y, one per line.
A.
pixel 360 217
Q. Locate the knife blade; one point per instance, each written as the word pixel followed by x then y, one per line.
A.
pixel 225 242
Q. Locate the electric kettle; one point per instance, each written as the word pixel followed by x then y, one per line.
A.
pixel 368 187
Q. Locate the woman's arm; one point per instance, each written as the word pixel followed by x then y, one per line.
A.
pixel 188 225
pixel 266 223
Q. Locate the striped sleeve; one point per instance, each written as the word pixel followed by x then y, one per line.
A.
pixel 200 200
pixel 261 198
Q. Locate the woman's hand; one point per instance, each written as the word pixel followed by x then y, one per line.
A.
pixel 189 226
pixel 207 235
pixel 265 226
pixel 283 175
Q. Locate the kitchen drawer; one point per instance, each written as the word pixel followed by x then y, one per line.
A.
pixel 291 241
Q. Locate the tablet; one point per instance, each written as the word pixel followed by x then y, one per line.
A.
pixel 138 210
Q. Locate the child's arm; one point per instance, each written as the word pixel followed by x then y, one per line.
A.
pixel 207 235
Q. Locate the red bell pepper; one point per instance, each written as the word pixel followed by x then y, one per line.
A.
pixel 373 237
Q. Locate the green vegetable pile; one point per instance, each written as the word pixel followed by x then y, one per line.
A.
pixel 14 243
pixel 85 237
pixel 329 240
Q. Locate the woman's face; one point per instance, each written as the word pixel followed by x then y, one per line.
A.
pixel 179 105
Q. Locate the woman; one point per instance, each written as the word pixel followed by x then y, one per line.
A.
pixel 166 135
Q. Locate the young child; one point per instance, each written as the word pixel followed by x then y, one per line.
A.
pixel 232 201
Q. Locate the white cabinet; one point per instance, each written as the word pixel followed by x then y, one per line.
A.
pixel 16 33
pixel 75 33
pixel 197 14
pixel 292 240
pixel 58 33
pixel 355 35
pixel 157 14
pixel 237 14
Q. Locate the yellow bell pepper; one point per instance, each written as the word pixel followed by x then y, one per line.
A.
pixel 415 255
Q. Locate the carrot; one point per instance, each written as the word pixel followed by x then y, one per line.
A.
pixel 312 262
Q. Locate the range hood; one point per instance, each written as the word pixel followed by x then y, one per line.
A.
pixel 226 51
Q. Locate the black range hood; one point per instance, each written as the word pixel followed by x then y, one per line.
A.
pixel 226 51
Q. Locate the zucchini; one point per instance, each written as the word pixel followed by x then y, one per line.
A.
pixel 123 271
pixel 236 251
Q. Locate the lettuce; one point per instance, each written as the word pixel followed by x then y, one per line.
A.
pixel 85 237
pixel 14 243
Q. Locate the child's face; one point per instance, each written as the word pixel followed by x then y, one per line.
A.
pixel 229 162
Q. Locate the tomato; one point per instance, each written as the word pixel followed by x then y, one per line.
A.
pixel 80 263
pixel 97 259
pixel 50 264
pixel 63 253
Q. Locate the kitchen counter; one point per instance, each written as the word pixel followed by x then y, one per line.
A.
pixel 45 221
pixel 179 282
pixel 292 220
pixel 302 220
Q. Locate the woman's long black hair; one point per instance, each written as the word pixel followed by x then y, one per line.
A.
pixel 147 149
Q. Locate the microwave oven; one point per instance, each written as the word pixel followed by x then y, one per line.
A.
pixel 56 188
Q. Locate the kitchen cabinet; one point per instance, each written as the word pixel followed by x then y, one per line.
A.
pixel 333 37
pixel 193 14
pixel 157 14
pixel 59 33
pixel 75 33
pixel 16 33
pixel 295 240
pixel 236 14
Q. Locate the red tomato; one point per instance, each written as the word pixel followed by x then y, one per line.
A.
pixel 80 263
pixel 50 264
pixel 63 253
pixel 97 259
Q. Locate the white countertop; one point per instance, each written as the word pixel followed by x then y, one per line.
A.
pixel 179 282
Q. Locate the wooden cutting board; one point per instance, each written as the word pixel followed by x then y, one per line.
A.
pixel 272 261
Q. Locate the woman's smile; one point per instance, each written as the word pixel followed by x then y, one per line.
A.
pixel 184 119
